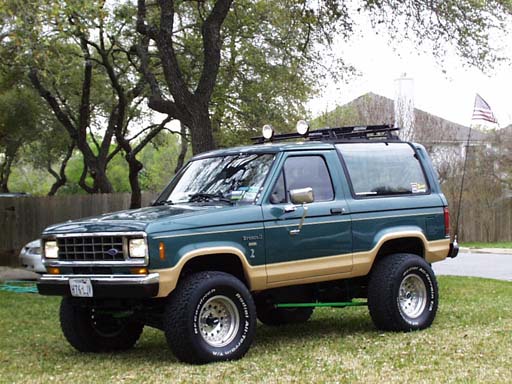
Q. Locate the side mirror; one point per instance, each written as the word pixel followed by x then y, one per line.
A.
pixel 302 195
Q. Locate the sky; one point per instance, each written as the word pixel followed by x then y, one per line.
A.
pixel 447 90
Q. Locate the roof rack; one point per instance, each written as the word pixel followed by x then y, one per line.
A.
pixel 339 134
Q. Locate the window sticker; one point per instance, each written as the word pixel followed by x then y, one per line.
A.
pixel 250 196
pixel 418 188
pixel 237 195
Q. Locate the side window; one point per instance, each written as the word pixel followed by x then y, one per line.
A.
pixel 302 172
pixel 279 193
pixel 380 169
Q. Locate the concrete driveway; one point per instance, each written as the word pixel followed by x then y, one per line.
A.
pixel 491 265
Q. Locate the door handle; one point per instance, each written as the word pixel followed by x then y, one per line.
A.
pixel 337 211
pixel 289 208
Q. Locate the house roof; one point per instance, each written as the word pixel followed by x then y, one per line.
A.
pixel 371 108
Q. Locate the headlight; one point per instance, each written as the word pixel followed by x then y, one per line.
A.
pixel 51 250
pixel 137 248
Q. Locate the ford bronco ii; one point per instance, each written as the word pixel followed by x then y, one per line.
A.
pixel 343 216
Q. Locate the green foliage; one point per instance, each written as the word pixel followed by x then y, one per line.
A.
pixel 19 123
pixel 487 245
pixel 18 116
pixel 159 161
pixel 26 178
pixel 341 116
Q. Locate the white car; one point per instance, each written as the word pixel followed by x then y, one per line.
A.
pixel 30 257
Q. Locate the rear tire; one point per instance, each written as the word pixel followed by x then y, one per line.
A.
pixel 402 293
pixel 210 317
pixel 89 330
pixel 269 315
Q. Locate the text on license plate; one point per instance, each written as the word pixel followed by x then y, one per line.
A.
pixel 80 287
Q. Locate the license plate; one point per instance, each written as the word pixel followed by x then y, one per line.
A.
pixel 80 287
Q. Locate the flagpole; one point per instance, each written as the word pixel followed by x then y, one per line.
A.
pixel 459 207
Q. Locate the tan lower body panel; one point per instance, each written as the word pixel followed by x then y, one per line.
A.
pixel 302 271
pixel 256 276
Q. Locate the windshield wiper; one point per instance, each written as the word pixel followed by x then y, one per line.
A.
pixel 163 202
pixel 209 197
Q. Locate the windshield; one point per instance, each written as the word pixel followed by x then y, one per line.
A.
pixel 230 179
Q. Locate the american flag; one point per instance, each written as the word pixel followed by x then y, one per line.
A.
pixel 482 111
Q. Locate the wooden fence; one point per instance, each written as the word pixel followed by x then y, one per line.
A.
pixel 486 224
pixel 23 219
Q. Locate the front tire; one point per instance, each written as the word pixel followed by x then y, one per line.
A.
pixel 210 317
pixel 90 330
pixel 402 293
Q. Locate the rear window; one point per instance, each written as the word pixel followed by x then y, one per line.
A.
pixel 380 169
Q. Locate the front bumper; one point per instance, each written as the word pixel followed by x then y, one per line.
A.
pixel 104 286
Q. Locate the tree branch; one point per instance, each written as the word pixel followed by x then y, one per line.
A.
pixel 156 129
pixel 82 183
pixel 63 118
pixel 212 44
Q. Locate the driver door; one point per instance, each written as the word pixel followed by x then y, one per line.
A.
pixel 323 246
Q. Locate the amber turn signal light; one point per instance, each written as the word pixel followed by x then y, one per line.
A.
pixel 53 271
pixel 139 271
pixel 161 248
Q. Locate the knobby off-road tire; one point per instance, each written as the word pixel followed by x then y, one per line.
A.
pixel 210 317
pixel 269 315
pixel 402 293
pixel 89 330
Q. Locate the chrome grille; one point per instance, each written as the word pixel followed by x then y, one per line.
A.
pixel 91 248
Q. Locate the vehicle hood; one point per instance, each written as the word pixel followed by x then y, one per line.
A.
pixel 156 219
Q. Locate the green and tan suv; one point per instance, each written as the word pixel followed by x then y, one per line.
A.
pixel 340 217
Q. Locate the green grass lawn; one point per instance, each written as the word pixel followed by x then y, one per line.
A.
pixel 470 341
pixel 504 244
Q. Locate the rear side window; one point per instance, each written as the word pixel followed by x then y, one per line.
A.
pixel 379 169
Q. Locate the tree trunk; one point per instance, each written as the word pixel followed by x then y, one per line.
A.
pixel 101 181
pixel 134 167
pixel 98 171
pixel 60 177
pixel 183 149
pixel 5 172
pixel 201 131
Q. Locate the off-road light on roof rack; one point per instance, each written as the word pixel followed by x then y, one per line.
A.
pixel 334 135
pixel 267 131
pixel 302 127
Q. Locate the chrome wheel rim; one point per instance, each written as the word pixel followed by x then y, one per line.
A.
pixel 412 296
pixel 219 321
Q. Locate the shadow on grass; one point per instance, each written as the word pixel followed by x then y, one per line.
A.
pixel 152 348
pixel 335 325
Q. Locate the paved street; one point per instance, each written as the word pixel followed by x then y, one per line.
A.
pixel 491 265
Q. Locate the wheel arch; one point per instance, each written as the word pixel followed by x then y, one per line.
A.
pixel 411 241
pixel 221 258
pixel 411 244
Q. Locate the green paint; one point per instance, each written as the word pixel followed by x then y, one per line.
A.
pixel 339 304
pixel 18 286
